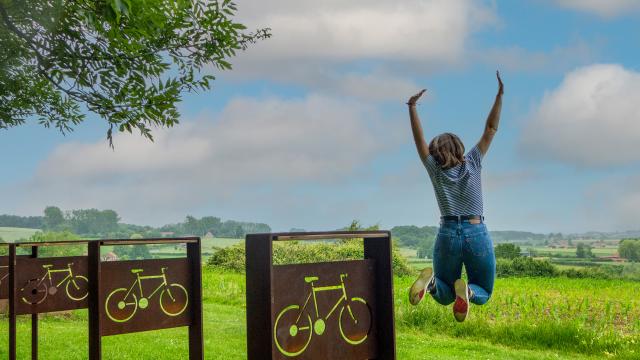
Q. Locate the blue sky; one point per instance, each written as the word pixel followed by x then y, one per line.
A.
pixel 310 129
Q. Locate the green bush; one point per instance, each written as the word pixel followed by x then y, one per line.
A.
pixel 525 266
pixel 507 251
pixel 233 257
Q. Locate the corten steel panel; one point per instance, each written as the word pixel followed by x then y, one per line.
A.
pixel 51 284
pixel 324 311
pixel 141 295
pixel 4 277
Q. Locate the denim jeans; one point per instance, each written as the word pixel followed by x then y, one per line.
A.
pixel 468 244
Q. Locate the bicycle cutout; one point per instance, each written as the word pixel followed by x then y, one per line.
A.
pixel 2 269
pixel 36 290
pixel 122 304
pixel 295 322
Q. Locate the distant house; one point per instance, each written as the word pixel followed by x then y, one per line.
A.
pixel 167 233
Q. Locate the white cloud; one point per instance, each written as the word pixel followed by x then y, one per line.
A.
pixel 318 44
pixel 252 147
pixel 592 119
pixel 339 30
pixel 604 8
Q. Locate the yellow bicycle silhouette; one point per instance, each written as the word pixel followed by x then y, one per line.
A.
pixel 35 291
pixel 122 304
pixel 2 277
pixel 294 327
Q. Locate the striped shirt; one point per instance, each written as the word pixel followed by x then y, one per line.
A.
pixel 458 189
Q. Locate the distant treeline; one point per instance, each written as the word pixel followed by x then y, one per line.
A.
pixel 106 224
pixel 32 222
pixel 215 226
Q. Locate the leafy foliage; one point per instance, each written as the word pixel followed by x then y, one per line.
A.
pixel 630 249
pixel 30 222
pixel 414 236
pixel 524 266
pixel 50 236
pixel 217 227
pixel 233 257
pixel 53 217
pixel 507 251
pixel 583 251
pixel 127 61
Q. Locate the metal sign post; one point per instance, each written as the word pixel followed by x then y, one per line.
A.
pixel 331 310
pixel 112 291
pixel 171 296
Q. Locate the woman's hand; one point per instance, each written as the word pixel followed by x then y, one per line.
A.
pixel 500 84
pixel 412 100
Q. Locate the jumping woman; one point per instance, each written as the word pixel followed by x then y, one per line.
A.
pixel 463 237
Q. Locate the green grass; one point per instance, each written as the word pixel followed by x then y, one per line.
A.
pixel 11 234
pixel 526 319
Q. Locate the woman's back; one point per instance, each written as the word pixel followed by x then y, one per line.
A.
pixel 458 189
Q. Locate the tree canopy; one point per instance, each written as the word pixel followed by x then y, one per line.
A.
pixel 629 249
pixel 507 251
pixel 127 61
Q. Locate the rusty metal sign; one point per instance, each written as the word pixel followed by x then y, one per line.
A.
pixel 324 311
pixel 141 295
pixel 4 277
pixel 330 310
pixel 51 284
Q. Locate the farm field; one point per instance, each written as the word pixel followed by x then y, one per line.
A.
pixel 527 319
pixel 11 234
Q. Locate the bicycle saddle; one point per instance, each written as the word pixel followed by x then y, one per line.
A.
pixel 135 271
pixel 309 279
pixel 47 266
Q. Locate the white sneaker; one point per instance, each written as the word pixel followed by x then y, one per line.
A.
pixel 461 305
pixel 424 283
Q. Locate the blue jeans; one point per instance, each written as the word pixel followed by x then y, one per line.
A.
pixel 468 244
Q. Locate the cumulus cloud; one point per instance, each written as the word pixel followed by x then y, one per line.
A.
pixel 591 119
pixel 370 29
pixel 319 44
pixel 251 147
pixel 604 8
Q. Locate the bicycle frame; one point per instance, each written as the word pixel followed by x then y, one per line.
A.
pixel 50 271
pixel 6 275
pixel 139 283
pixel 315 290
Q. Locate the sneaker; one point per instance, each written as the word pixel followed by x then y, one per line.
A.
pixel 424 283
pixel 461 305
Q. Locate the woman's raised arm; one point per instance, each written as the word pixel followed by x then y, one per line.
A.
pixel 416 127
pixel 493 119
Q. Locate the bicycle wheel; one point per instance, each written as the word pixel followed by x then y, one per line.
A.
pixel 34 292
pixel 78 288
pixel 174 299
pixel 289 335
pixel 355 323
pixel 117 308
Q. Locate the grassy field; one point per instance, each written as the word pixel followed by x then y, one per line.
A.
pixel 11 234
pixel 526 319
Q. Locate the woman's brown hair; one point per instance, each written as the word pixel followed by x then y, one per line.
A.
pixel 447 149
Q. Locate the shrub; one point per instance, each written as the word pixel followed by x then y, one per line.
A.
pixel 233 257
pixel 507 251
pixel 524 266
